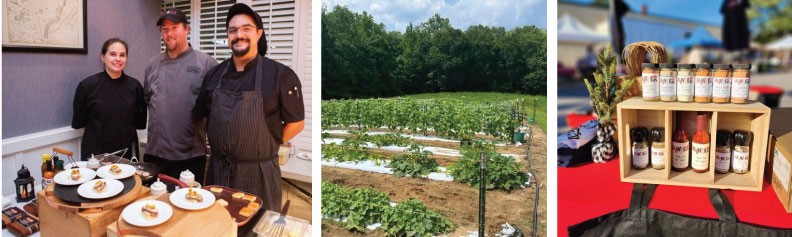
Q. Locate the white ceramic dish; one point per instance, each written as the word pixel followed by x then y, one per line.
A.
pixel 133 213
pixel 126 171
pixel 113 188
pixel 64 177
pixel 178 199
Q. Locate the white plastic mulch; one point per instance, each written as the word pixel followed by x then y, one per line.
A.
pixel 371 166
pixel 416 137
pixel 434 150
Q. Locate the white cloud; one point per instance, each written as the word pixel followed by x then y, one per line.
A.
pixel 396 15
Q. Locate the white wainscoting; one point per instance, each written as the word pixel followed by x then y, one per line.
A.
pixel 27 150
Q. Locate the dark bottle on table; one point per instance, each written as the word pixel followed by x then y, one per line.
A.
pixel 640 149
pixel 722 151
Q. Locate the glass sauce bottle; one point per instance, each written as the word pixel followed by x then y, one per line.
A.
pixel 742 152
pixel 722 151
pixel 701 145
pixel 658 148
pixel 640 151
pixel 681 149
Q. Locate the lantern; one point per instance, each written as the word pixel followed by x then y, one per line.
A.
pixel 24 185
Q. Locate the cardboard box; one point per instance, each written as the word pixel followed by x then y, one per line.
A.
pixel 780 156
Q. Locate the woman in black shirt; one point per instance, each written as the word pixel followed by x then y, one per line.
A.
pixel 109 105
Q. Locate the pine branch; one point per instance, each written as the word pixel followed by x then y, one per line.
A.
pixel 607 92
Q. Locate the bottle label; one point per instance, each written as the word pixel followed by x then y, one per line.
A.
pixel 740 160
pixel 681 155
pixel 658 156
pixel 740 88
pixel 722 160
pixel 700 159
pixel 721 87
pixel 45 183
pixel 684 86
pixel 640 157
pixel 703 87
pixel 667 86
pixel 649 87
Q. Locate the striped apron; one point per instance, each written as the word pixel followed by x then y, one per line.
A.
pixel 243 150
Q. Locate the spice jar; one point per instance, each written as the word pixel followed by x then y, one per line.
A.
pixel 721 83
pixel 649 85
pixel 640 151
pixel 742 152
pixel 741 82
pixel 684 83
pixel 658 148
pixel 722 151
pixel 702 90
pixel 668 82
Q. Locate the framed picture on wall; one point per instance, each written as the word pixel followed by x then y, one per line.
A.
pixel 45 26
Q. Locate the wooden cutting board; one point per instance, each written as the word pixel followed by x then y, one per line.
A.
pixel 212 221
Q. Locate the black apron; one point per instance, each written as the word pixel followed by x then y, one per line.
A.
pixel 639 220
pixel 243 150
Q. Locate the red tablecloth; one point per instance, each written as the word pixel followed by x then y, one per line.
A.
pixel 592 190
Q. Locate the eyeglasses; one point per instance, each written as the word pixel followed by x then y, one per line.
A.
pixel 244 29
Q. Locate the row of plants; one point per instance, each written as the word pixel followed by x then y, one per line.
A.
pixel 448 118
pixel 503 172
pixel 359 208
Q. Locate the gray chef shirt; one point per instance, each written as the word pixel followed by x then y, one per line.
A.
pixel 170 88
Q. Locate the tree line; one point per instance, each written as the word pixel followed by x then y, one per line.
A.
pixel 361 59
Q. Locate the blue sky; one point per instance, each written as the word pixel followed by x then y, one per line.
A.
pixel 699 10
pixel 397 14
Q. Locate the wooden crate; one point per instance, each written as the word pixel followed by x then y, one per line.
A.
pixel 754 117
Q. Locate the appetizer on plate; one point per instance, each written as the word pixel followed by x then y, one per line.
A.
pixel 115 170
pixel 150 211
pixel 253 205
pixel 75 174
pixel 238 195
pixel 222 202
pixel 193 196
pixel 216 189
pixel 99 186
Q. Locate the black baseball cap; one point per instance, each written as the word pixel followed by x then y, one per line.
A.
pixel 174 15
pixel 241 8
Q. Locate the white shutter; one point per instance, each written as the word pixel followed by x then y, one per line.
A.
pixel 302 66
pixel 278 19
pixel 213 38
pixel 184 6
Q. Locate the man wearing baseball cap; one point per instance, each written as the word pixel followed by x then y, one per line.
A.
pixel 173 78
pixel 254 104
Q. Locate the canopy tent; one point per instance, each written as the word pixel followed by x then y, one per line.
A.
pixel 571 30
pixel 699 37
pixel 783 43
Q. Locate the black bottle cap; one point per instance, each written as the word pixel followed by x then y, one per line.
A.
pixel 658 134
pixel 723 137
pixel 742 138
pixel 723 66
pixel 648 65
pixel 667 65
pixel 742 66
pixel 639 134
pixel 685 66
pixel 704 65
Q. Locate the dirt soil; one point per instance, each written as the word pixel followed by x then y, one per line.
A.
pixel 456 201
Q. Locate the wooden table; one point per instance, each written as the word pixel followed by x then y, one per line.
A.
pixel 212 221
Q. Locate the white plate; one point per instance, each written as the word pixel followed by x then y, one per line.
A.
pixel 126 171
pixel 113 187
pixel 64 177
pixel 178 199
pixel 81 164
pixel 133 213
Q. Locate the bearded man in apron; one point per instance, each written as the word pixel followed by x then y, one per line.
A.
pixel 253 105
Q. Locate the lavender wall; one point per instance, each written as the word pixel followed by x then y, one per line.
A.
pixel 38 88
